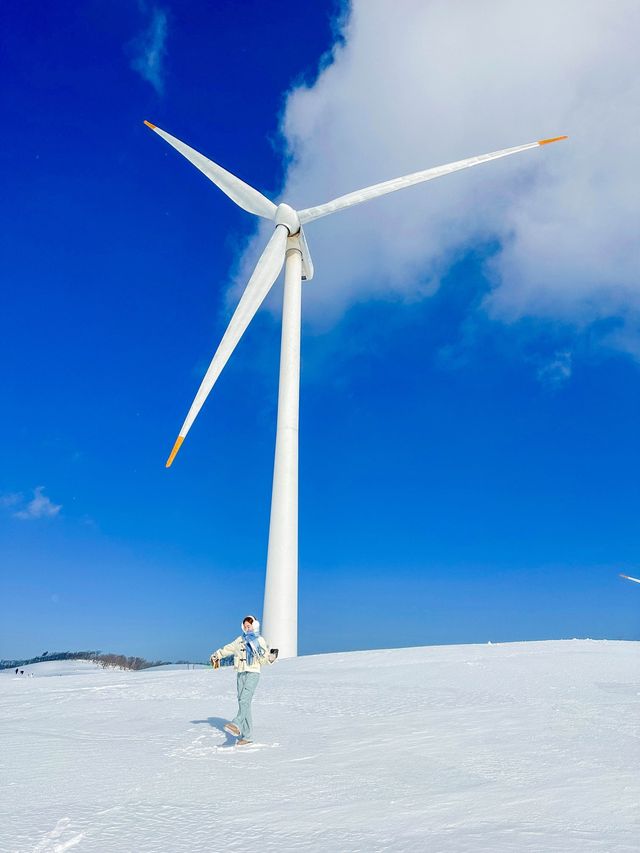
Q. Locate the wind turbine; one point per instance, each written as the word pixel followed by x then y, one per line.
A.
pixel 287 246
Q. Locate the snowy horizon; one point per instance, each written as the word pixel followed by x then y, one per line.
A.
pixel 204 660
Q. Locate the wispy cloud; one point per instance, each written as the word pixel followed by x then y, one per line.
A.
pixel 557 371
pixel 149 48
pixel 10 500
pixel 40 506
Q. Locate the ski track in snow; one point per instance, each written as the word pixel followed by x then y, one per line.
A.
pixel 527 747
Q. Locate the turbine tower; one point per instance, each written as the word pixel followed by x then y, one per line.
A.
pixel 287 246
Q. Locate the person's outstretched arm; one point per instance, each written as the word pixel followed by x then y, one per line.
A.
pixel 230 649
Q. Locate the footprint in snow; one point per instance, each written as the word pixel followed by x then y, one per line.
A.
pixel 50 842
pixel 252 747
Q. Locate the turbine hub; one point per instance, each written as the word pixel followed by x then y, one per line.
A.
pixel 287 216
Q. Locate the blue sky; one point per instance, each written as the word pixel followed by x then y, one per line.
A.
pixel 469 469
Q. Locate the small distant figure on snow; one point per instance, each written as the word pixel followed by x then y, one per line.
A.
pixel 250 652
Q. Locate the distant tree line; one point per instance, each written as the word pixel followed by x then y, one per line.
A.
pixel 124 662
pixel 105 660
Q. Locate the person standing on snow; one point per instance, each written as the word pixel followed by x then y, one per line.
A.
pixel 250 652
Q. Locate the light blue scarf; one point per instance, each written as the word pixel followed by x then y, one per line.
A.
pixel 254 649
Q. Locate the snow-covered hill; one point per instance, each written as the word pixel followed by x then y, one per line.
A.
pixel 56 667
pixel 518 747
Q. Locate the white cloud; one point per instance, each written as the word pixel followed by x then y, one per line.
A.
pixel 149 48
pixel 39 507
pixel 421 83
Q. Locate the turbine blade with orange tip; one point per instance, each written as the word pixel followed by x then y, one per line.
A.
pixel 244 195
pixel 553 139
pixel 176 448
pixel 368 193
pixel 629 578
pixel 266 272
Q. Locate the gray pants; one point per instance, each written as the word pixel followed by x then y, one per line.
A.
pixel 247 683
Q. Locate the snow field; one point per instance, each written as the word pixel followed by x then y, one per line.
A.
pixel 517 747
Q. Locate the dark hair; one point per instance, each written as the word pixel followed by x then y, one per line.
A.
pixel 247 619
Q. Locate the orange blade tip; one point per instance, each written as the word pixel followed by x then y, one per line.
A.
pixel 554 139
pixel 148 123
pixel 176 448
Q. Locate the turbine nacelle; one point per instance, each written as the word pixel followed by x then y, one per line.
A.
pixel 287 216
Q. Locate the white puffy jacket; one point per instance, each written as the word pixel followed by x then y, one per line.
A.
pixel 238 649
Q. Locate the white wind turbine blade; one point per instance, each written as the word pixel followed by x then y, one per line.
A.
pixel 311 213
pixel 627 577
pixel 244 196
pixel 263 277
